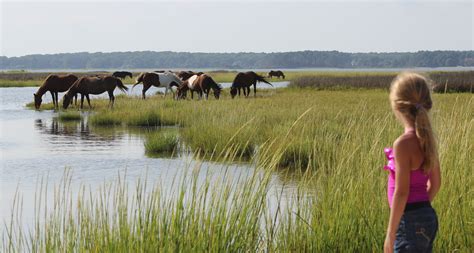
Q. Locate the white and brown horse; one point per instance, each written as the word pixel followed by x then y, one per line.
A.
pixel 165 79
pixel 202 84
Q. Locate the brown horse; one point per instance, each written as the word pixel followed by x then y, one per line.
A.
pixel 201 84
pixel 243 80
pixel 277 73
pixel 54 84
pixel 95 86
pixel 185 75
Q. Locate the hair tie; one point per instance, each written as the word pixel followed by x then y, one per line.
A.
pixel 418 106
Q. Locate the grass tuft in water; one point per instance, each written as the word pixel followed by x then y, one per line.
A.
pixel 69 116
pixel 161 142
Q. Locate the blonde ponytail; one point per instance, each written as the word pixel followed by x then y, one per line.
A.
pixel 410 94
pixel 425 135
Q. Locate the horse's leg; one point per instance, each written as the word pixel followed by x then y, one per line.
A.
pixel 111 99
pixel 166 91
pixel 254 90
pixel 52 96
pixel 145 88
pixel 56 99
pixel 75 100
pixel 82 101
pixel 88 101
pixel 192 95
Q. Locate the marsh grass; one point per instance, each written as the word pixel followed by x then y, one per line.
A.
pixel 69 116
pixel 461 81
pixel 164 141
pixel 335 138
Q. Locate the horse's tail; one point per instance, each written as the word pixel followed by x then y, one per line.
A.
pixel 139 79
pixel 262 79
pixel 121 86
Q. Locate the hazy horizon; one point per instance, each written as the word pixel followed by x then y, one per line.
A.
pixel 229 27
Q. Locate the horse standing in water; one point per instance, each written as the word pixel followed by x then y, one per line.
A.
pixel 122 74
pixel 201 84
pixel 166 79
pixel 243 80
pixel 94 86
pixel 277 73
pixel 54 84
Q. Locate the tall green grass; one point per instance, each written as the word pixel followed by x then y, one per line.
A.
pixel 335 139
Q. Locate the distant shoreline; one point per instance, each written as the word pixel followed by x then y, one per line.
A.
pixel 424 69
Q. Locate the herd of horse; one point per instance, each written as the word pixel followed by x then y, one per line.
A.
pixel 184 81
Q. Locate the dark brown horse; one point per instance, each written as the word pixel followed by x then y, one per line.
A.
pixel 54 84
pixel 185 75
pixel 202 84
pixel 243 80
pixel 122 74
pixel 94 86
pixel 277 73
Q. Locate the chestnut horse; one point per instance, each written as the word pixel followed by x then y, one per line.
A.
pixel 53 84
pixel 277 73
pixel 95 86
pixel 166 79
pixel 201 84
pixel 243 80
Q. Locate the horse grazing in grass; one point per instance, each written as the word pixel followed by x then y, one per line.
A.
pixel 243 80
pixel 94 86
pixel 277 73
pixel 122 74
pixel 202 84
pixel 54 84
pixel 166 79
pixel 185 75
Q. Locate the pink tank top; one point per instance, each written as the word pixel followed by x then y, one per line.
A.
pixel 418 181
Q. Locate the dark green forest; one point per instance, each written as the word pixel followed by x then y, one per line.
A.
pixel 300 59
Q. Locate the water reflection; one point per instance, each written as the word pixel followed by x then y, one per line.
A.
pixel 76 135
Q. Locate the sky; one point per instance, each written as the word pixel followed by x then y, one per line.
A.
pixel 42 27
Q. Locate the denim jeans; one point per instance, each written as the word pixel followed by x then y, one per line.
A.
pixel 417 231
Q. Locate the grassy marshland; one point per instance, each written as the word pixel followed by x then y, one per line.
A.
pixel 462 81
pixel 335 137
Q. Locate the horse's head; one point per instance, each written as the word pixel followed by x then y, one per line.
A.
pixel 217 93
pixel 38 100
pixel 67 100
pixel 181 91
pixel 233 92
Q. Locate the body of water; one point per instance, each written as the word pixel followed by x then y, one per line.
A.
pixel 35 144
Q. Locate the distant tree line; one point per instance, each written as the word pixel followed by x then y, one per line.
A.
pixel 301 59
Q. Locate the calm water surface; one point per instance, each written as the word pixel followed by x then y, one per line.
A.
pixel 35 144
